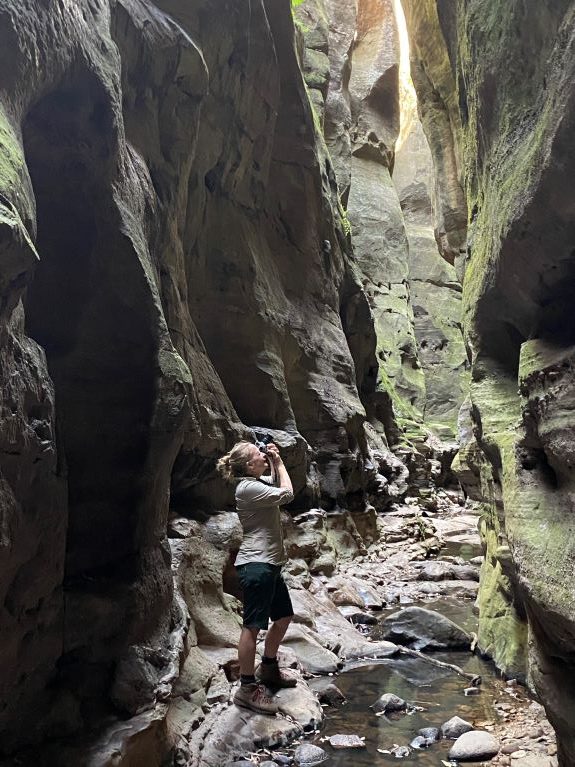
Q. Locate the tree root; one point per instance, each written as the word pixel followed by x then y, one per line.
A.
pixel 474 680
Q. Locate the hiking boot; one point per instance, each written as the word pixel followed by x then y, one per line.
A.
pixel 272 675
pixel 256 697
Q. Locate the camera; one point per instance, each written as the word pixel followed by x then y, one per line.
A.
pixel 263 442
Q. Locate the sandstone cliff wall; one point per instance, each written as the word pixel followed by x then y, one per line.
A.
pixel 351 62
pixel 173 267
pixel 504 74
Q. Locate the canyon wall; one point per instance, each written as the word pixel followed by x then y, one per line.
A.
pixel 174 269
pixel 195 241
pixel 352 66
pixel 497 82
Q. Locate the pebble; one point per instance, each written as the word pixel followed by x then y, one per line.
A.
pixel 471 691
pixel 401 752
pixel 510 748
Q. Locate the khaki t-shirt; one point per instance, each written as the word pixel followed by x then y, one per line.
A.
pixel 258 502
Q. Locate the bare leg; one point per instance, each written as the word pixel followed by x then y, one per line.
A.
pixel 247 650
pixel 275 635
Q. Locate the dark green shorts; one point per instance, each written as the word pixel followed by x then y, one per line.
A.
pixel 265 594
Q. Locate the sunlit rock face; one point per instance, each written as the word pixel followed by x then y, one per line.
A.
pixel 173 267
pixel 390 200
pixel 435 291
pixel 513 85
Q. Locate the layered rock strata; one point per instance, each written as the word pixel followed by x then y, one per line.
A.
pixel 506 76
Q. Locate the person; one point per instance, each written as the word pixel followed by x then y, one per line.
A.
pixel 258 564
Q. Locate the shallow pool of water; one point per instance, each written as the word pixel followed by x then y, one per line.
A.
pixel 438 692
pixel 463 549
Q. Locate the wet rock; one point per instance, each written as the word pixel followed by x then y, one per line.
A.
pixel 353 615
pixel 420 742
pixel 455 727
pixel 308 755
pixel 346 741
pixel 401 752
pixel 474 746
pixel 236 731
pixel 444 571
pixel 389 702
pixel 313 657
pixel 331 695
pixel 456 589
pixel 430 733
pixel 471 691
pixel 422 629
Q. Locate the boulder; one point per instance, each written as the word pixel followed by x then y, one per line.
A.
pixel 313 657
pixel 455 727
pixel 389 702
pixel 474 746
pixel 422 630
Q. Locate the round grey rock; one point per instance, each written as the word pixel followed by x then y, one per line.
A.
pixel 389 702
pixel 430 733
pixel 401 752
pixel 331 695
pixel 419 742
pixel 455 727
pixel 307 755
pixel 474 746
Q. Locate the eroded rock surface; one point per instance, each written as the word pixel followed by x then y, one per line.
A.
pixel 507 116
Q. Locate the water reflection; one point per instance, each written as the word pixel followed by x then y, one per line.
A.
pixel 438 691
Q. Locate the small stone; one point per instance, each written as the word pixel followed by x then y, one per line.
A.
pixel 519 754
pixel 331 695
pixel 401 752
pixel 346 741
pixel 308 755
pixel 389 702
pixel 474 746
pixel 471 691
pixel 283 760
pixel 267 763
pixel 419 742
pixel 510 748
pixel 455 727
pixel 430 733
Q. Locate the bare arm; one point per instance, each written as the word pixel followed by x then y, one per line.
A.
pixel 283 477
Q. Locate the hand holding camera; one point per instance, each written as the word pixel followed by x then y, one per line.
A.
pixel 269 449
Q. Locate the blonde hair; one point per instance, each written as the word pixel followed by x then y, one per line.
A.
pixel 233 464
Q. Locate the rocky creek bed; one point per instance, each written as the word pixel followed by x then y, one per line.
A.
pixel 426 557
